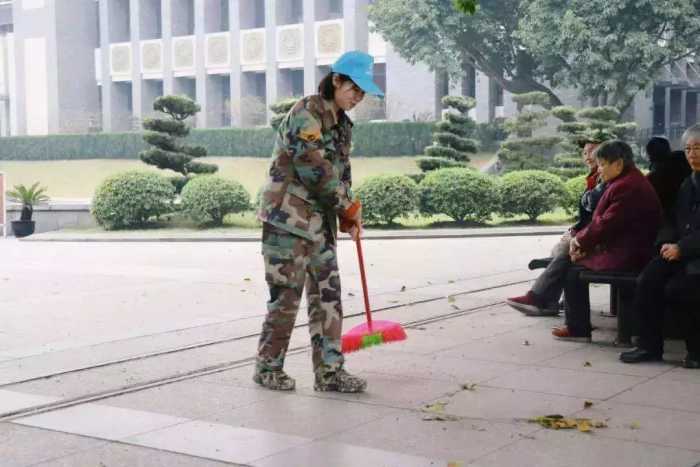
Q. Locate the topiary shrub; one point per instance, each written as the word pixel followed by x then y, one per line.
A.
pixel 131 199
pixel 386 197
pixel 208 199
pixel 574 190
pixel 426 164
pixel 462 194
pixel 530 192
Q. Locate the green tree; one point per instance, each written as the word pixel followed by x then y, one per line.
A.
pixel 452 142
pixel 608 49
pixel 165 134
pixel 436 33
pixel 524 149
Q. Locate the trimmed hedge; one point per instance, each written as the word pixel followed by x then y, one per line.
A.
pixel 386 197
pixel 207 199
pixel 130 199
pixel 460 193
pixel 530 192
pixel 369 139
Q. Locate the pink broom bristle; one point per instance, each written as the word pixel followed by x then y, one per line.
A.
pixel 362 336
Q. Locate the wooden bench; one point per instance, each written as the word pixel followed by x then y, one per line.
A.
pixel 622 286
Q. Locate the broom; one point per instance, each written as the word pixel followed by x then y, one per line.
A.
pixel 371 332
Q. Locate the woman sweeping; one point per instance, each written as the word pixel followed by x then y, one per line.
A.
pixel 307 192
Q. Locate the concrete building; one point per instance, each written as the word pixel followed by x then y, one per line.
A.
pixel 72 66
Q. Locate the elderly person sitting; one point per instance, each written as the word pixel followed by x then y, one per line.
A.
pixel 619 238
pixel 542 299
pixel 674 275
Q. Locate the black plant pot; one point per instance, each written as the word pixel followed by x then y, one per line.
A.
pixel 23 228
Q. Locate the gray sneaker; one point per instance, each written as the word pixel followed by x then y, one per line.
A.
pixel 339 381
pixel 277 380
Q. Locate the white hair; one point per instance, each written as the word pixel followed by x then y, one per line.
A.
pixel 691 132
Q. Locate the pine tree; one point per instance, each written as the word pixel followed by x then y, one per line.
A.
pixel 453 137
pixel 596 124
pixel 164 134
pixel 523 150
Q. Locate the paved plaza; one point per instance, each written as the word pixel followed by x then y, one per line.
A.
pixel 141 354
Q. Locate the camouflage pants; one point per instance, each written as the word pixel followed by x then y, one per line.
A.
pixel 293 263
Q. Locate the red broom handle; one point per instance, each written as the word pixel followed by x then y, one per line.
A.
pixel 364 281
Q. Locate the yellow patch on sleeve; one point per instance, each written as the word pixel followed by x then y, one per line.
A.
pixel 310 134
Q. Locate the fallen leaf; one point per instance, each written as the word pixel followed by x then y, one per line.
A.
pixel 587 364
pixel 242 290
pixel 450 282
pixel 634 426
pixel 450 299
pixel 436 412
pixel 559 422
pixel 350 294
pixel 393 301
pixel 587 405
pixel 403 288
pixel 526 342
pixel 469 386
pixel 247 279
pixel 455 307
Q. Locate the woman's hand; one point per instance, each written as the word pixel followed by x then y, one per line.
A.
pixel 575 251
pixel 670 252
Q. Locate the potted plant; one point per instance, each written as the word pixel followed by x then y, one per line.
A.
pixel 28 198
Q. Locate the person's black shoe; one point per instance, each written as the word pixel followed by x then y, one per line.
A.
pixel 638 355
pixel 692 361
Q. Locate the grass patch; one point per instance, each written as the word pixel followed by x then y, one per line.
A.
pixel 79 178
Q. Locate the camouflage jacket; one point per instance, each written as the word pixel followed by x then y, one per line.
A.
pixel 310 170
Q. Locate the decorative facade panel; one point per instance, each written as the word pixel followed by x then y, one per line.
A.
pixel 329 38
pixel 183 53
pixel 120 58
pixel 151 56
pixel 218 51
pixel 290 43
pixel 253 47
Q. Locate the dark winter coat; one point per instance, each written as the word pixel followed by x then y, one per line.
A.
pixel 684 227
pixel 666 175
pixel 625 224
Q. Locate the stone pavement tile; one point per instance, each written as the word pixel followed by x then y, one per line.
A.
pixel 682 375
pixel 663 393
pixel 22 446
pixel 100 421
pixel 564 382
pixel 605 360
pixel 309 417
pixel 218 442
pixel 664 427
pixel 456 370
pixel 523 346
pixel 324 454
pixel 117 454
pixel 191 399
pixel 509 405
pixel 15 400
pixel 392 391
pixel 565 448
pixel 458 441
pixel 110 377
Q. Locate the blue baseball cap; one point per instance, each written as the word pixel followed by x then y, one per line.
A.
pixel 359 67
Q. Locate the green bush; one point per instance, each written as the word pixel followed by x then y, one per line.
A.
pixel 460 193
pixel 530 192
pixel 131 199
pixel 426 164
pixel 574 190
pixel 386 197
pixel 208 199
pixel 368 139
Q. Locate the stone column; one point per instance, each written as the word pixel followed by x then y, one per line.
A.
pixel 234 19
pixel 136 78
pixel 310 81
pixel 199 64
pixel 167 24
pixel 356 33
pixel 271 71
pixel 107 86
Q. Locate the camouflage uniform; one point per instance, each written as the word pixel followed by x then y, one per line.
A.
pixel 308 187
